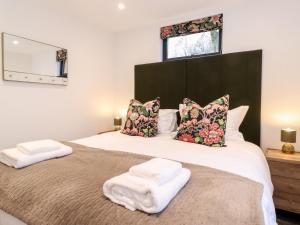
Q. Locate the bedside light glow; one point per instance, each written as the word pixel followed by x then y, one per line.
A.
pixel 15 42
pixel 288 119
pixel 121 6
pixel 288 130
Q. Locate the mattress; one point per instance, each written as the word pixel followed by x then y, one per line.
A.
pixel 241 158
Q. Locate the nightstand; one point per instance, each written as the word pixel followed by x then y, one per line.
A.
pixel 285 172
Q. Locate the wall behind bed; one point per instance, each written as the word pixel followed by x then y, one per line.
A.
pixel 248 25
pixel 85 106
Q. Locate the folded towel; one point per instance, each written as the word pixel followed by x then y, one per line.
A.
pixel 41 146
pixel 5 160
pixel 142 194
pixel 157 170
pixel 15 158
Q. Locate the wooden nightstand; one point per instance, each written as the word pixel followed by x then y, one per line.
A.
pixel 285 172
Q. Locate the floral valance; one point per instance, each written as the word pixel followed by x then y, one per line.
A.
pixel 194 26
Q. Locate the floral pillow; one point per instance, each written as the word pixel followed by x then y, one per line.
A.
pixel 142 119
pixel 204 125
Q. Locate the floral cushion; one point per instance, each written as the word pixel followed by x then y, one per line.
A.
pixel 204 125
pixel 142 119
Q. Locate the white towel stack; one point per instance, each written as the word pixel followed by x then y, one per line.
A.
pixel 157 170
pixel 149 186
pixel 26 154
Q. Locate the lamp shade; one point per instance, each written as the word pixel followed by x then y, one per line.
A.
pixel 288 135
pixel 117 121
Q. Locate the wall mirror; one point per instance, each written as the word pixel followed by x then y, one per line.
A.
pixel 26 60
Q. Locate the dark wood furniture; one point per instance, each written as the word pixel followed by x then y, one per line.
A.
pixel 285 172
pixel 205 79
pixel 287 218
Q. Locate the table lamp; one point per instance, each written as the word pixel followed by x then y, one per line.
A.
pixel 117 123
pixel 288 136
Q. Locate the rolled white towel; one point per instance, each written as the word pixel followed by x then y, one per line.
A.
pixel 41 146
pixel 142 194
pixel 157 170
pixel 15 158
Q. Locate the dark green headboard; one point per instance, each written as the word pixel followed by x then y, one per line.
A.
pixel 204 80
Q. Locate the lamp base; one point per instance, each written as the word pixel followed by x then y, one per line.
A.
pixel 288 148
pixel 117 128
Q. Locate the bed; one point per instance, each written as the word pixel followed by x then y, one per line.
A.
pixel 202 79
pixel 241 158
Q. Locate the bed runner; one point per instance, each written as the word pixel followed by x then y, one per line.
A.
pixel 68 191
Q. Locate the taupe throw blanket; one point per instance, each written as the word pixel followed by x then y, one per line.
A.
pixel 68 191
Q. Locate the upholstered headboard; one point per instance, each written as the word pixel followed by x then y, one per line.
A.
pixel 204 80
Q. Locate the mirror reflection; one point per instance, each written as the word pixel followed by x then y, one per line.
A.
pixel 24 56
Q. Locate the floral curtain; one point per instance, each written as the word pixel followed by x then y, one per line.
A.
pixel 195 26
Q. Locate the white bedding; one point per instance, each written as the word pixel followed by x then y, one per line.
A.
pixel 241 158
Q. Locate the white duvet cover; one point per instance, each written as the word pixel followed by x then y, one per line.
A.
pixel 241 158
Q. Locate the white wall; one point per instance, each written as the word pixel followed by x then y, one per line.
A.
pixel 248 25
pixel 84 107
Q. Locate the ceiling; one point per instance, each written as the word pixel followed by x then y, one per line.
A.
pixel 105 13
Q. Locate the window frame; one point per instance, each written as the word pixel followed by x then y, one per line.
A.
pixel 165 49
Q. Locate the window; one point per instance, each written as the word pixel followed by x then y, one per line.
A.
pixel 193 45
pixel 193 38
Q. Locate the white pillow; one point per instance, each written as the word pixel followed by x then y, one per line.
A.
pixel 235 118
pixel 181 107
pixel 234 136
pixel 167 121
